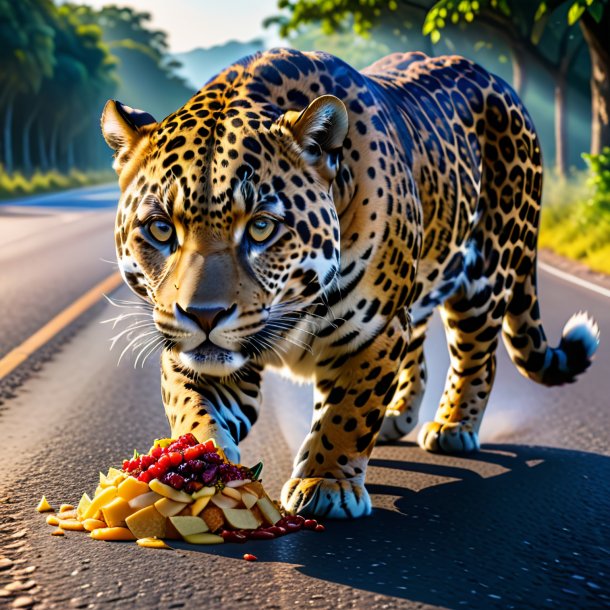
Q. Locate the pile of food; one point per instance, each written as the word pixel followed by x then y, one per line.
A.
pixel 180 490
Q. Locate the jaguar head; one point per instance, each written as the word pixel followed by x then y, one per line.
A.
pixel 226 222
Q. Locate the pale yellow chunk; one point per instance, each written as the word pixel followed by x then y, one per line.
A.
pixel 248 499
pixel 112 533
pixel 83 505
pixel 147 523
pixel 68 514
pixel 223 501
pixel 116 512
pixel 204 539
pixel 52 520
pixel 270 513
pixel 131 487
pixel 188 526
pixel 204 492
pixel 254 488
pixel 65 507
pixel 71 524
pixel 241 518
pixel 144 500
pixel 105 497
pixel 93 524
pixel 152 543
pixel 198 505
pixel 44 506
pixel 58 532
pixel 169 508
pixel 114 472
pixel 169 492
pixel 232 493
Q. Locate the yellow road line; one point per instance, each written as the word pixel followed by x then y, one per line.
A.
pixel 22 352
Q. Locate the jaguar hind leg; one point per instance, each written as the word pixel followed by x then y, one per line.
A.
pixel 402 413
pixel 472 320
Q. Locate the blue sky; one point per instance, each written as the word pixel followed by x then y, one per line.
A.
pixel 203 23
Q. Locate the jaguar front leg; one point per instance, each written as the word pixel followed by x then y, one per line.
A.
pixel 351 399
pixel 223 409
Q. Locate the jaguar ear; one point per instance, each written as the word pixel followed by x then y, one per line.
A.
pixel 320 130
pixel 123 127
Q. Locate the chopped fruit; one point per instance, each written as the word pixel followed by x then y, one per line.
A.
pixel 169 508
pixel 105 497
pixel 52 520
pixel 147 523
pixel 205 491
pixel 270 513
pixel 144 500
pixel 214 517
pixel 83 505
pixel 71 524
pixel 250 557
pixel 248 499
pixel 112 533
pixel 57 532
pixel 241 518
pixel 93 524
pixel 204 539
pixel 223 501
pixel 169 492
pixel 68 514
pixel 254 488
pixel 152 543
pixel 44 506
pixel 238 483
pixel 65 507
pixel 232 493
pixel 198 505
pixel 310 524
pixel 319 528
pixel 187 526
pixel 130 488
pixel 116 512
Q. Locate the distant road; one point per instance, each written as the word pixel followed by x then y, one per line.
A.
pixel 523 524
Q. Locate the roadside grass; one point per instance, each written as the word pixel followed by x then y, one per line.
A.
pixel 18 185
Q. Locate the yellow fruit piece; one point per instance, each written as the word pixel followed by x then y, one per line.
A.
pixel 66 507
pixel 147 523
pixel 71 524
pixel 169 492
pixel 223 501
pixel 188 526
pixel 52 520
pixel 204 539
pixel 112 533
pixel 131 487
pixel 153 543
pixel 83 505
pixel 204 492
pixel 44 506
pixel 115 472
pixel 98 490
pixel 254 488
pixel 198 505
pixel 58 532
pixel 248 499
pixel 241 518
pixel 68 514
pixel 270 513
pixel 169 508
pixel 144 500
pixel 116 512
pixel 232 493
pixel 105 497
pixel 93 524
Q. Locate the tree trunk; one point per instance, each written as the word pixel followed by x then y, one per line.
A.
pixel 597 38
pixel 519 71
pixel 8 132
pixel 561 154
pixel 42 151
pixel 25 142
pixel 54 146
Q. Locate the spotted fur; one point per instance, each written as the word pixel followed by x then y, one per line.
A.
pixel 383 195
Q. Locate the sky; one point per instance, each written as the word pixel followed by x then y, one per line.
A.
pixel 205 23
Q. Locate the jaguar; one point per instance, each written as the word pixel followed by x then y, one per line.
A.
pixel 299 214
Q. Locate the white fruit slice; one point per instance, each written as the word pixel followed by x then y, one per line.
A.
pixel 248 499
pixel 188 526
pixel 169 508
pixel 238 483
pixel 223 501
pixel 203 492
pixel 270 513
pixel 241 518
pixel 232 493
pixel 198 505
pixel 144 500
pixel 204 539
pixel 169 492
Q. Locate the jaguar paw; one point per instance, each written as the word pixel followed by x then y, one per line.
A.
pixel 450 437
pixel 332 498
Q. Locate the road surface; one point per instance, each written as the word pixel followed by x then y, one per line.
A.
pixel 522 524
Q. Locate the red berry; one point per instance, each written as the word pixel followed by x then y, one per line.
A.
pixel 157 452
pixel 319 528
pixel 192 453
pixel 125 464
pixel 277 530
pixel 174 480
pixel 145 477
pixel 188 439
pixel 175 458
pixel 310 524
pixel 209 446
pixel 192 486
pixel 164 463
pixel 250 557
pixel 262 534
pixel 154 471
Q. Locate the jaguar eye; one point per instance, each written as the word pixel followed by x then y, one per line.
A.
pixel 160 230
pixel 261 229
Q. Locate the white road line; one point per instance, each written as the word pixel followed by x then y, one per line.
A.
pixel 568 277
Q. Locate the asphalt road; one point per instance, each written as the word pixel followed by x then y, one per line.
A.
pixel 523 524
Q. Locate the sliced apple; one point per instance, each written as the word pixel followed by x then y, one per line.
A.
pixel 187 526
pixel 241 518
pixel 223 501
pixel 232 493
pixel 238 483
pixel 203 492
pixel 105 497
pixel 270 513
pixel 169 492
pixel 147 523
pixel 204 539
pixel 131 487
pixel 168 508
pixel 144 500
pixel 248 499
pixel 116 512
pixel 83 505
pixel 255 488
pixel 198 505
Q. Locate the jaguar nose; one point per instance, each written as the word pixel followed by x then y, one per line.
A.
pixel 205 317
